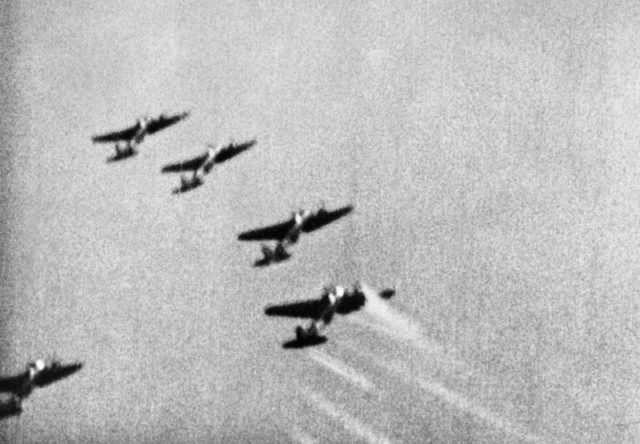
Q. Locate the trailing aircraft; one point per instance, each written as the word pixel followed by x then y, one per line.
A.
pixel 37 374
pixel 204 163
pixel 288 232
pixel 127 140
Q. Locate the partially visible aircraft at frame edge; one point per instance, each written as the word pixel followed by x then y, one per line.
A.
pixel 39 373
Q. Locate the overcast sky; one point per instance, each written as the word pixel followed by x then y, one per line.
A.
pixel 490 150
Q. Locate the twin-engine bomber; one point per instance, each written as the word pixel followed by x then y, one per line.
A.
pixel 334 299
pixel 287 233
pixel 204 163
pixel 127 140
pixel 37 374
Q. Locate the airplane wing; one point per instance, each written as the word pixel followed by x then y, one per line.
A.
pixel 12 384
pixel 56 373
pixel 324 217
pixel 116 136
pixel 187 165
pixel 233 150
pixel 273 232
pixel 163 122
pixel 312 309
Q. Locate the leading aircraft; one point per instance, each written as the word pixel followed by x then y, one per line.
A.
pixel 204 163
pixel 127 140
pixel 37 374
pixel 334 299
pixel 287 233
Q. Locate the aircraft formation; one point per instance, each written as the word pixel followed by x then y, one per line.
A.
pixel 128 140
pixel 334 299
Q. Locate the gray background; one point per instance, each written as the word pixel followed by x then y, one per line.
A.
pixel 490 149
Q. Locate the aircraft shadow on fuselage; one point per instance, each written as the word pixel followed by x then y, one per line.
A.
pixel 303 343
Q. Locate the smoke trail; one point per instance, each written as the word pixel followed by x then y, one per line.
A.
pixel 460 402
pixel 405 327
pixel 350 423
pixel 301 436
pixel 385 319
pixel 342 369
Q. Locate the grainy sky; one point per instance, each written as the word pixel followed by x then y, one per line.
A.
pixel 491 152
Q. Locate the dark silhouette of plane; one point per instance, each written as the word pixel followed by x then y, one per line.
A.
pixel 204 163
pixel 334 299
pixel 127 140
pixel 288 232
pixel 37 374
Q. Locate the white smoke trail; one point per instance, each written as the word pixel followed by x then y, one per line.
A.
pixel 402 326
pixel 387 320
pixel 350 423
pixel 300 436
pixel 342 369
pixel 460 402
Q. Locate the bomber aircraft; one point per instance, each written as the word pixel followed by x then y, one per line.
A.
pixel 334 299
pixel 127 140
pixel 204 163
pixel 37 374
pixel 287 233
